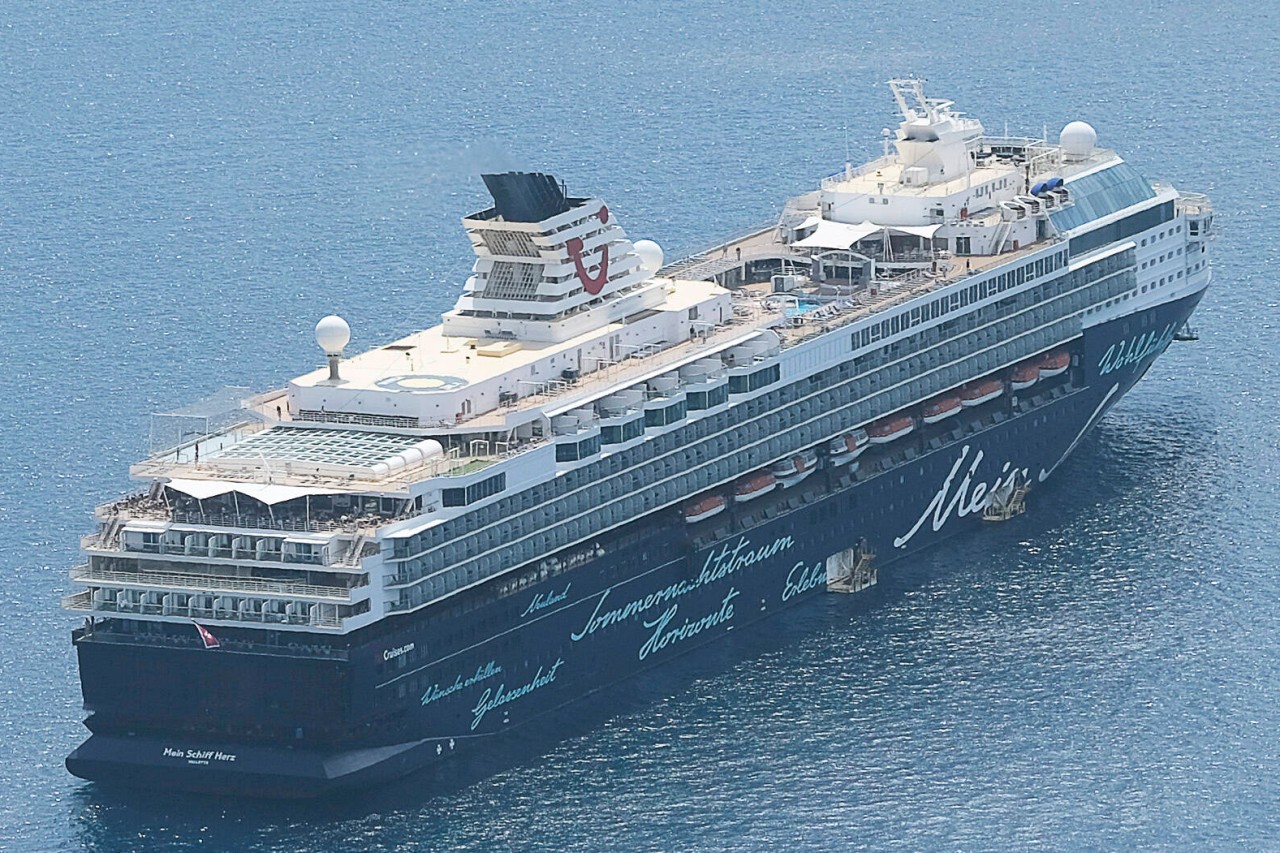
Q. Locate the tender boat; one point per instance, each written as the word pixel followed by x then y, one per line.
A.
pixel 704 508
pixel 846 448
pixel 941 408
pixel 1024 376
pixel 793 469
pixel 890 429
pixel 977 393
pixel 752 486
pixel 1054 363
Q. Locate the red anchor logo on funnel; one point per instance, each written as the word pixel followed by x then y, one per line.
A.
pixel 592 284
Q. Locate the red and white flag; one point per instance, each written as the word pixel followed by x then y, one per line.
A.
pixel 210 641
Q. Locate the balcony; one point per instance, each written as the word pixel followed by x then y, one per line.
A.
pixel 208 583
pixel 204 552
pixel 83 602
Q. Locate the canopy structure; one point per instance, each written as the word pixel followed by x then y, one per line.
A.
pixel 841 235
pixel 925 231
pixel 200 489
pixel 268 493
pixel 836 235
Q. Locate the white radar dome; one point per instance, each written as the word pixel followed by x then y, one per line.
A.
pixel 1078 139
pixel 650 256
pixel 332 334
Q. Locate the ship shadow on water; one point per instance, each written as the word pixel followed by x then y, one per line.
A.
pixel 1139 458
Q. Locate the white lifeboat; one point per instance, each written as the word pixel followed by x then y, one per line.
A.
pixel 794 469
pixel 1024 376
pixel 1054 363
pixel 703 508
pixel 940 409
pixel 890 429
pixel 977 393
pixel 752 486
pixel 848 447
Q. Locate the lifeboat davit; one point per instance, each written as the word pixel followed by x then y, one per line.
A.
pixel 1054 363
pixel 977 393
pixel 1024 376
pixel 846 448
pixel 703 508
pixel 890 429
pixel 793 469
pixel 940 409
pixel 752 486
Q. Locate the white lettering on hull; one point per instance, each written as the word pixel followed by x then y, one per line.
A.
pixel 719 565
pixel 967 498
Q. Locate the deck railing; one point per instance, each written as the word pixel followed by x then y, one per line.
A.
pixel 176 581
pixel 83 602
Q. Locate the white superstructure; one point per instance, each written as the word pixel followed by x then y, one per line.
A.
pixel 577 386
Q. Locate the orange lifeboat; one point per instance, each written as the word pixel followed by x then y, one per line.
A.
pixel 1024 376
pixel 703 508
pixel 890 429
pixel 940 409
pixel 846 448
pixel 793 469
pixel 977 393
pixel 752 486
pixel 1054 363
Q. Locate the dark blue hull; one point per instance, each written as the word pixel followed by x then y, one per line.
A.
pixel 421 689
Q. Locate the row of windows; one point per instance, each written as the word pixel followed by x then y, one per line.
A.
pixel 615 501
pixel 1004 308
pixel 672 414
pixel 572 451
pixel 1122 229
pixel 699 400
pixel 961 298
pixel 475 492
pixel 618 433
pixel 755 380
pixel 1167 232
pixel 692 434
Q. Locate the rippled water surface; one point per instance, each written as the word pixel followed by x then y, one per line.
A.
pixel 185 187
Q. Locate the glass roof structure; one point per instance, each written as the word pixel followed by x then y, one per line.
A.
pixel 326 446
pixel 1102 193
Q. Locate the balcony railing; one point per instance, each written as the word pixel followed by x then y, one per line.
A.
pixel 175 581
pixel 175 549
pixel 83 602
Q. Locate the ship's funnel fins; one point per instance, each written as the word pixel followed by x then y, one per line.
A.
pixel 526 196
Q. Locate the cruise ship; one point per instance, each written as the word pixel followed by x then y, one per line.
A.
pixel 598 461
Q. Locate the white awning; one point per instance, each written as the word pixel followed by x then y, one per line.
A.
pixel 270 493
pixel 808 223
pixel 925 231
pixel 841 235
pixel 201 489
pixel 837 235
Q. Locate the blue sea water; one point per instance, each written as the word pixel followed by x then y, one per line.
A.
pixel 186 187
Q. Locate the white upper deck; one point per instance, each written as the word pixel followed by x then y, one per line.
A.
pixel 563 309
pixel 944 167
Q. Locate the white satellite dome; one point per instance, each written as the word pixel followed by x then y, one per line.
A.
pixel 332 334
pixel 1078 139
pixel 650 256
